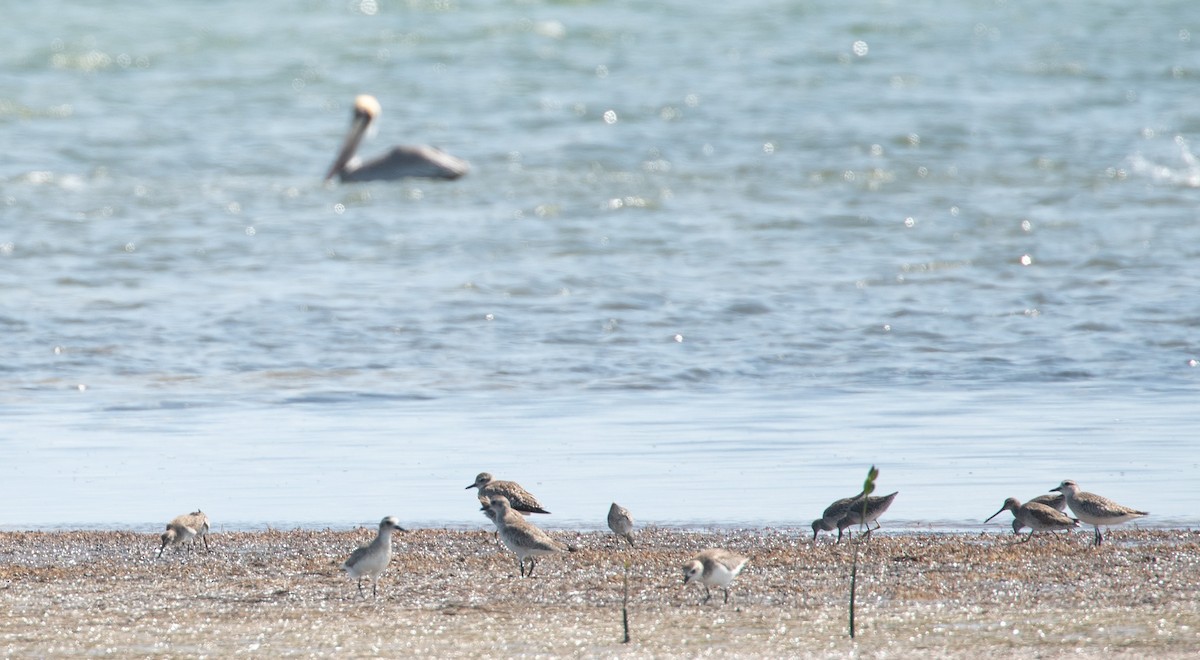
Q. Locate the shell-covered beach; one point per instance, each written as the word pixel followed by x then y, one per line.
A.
pixel 456 593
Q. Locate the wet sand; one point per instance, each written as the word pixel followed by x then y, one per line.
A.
pixel 457 594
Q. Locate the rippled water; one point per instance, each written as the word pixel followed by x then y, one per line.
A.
pixel 713 260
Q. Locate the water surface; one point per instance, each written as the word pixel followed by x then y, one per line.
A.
pixel 712 261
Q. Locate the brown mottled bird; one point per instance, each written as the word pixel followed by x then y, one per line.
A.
pixel 186 529
pixel 519 498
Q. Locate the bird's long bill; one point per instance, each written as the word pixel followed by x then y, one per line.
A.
pixel 469 487
pixel 994 515
pixel 358 128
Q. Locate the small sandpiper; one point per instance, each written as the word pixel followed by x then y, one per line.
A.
pixel 1096 510
pixel 714 567
pixel 186 528
pixel 620 521
pixel 518 498
pixel 369 561
pixel 525 539
pixel 1036 516
pixel 876 506
pixel 832 516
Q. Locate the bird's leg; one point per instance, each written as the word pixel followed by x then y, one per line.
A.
pixel 532 563
pixel 707 595
pixel 206 548
pixel 1099 536
pixel 375 589
pixel 360 589
pixel 726 595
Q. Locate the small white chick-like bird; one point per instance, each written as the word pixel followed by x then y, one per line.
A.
pixel 714 567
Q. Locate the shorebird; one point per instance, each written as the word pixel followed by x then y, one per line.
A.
pixel 876 506
pixel 519 498
pixel 1095 510
pixel 1052 500
pixel 370 560
pixel 1036 516
pixel 486 507
pixel 525 539
pixel 714 568
pixel 186 529
pixel 832 516
pixel 620 521
pixel 401 162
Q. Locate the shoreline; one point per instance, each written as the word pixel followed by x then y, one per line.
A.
pixel 457 593
pixel 568 525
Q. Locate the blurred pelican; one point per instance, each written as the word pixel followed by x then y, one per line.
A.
pixel 398 163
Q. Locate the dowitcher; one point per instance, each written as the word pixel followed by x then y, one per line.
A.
pixel 832 515
pixel 876 506
pixel 1052 500
pixel 1036 516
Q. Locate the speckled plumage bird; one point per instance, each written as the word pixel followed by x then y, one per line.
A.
pixel 1096 510
pixel 518 498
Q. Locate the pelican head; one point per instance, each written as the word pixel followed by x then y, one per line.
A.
pixel 366 109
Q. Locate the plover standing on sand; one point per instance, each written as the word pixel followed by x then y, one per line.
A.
pixel 620 521
pixel 714 567
pixel 1036 516
pixel 1096 510
pixel 186 529
pixel 525 539
pixel 518 498
pixel 369 561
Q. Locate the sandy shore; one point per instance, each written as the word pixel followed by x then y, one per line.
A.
pixel 457 593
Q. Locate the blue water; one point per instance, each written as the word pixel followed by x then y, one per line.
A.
pixel 712 261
